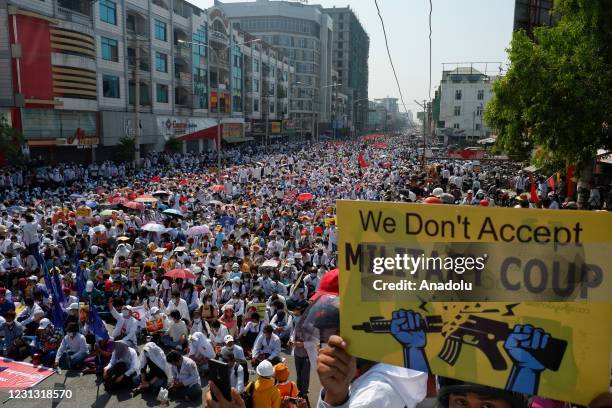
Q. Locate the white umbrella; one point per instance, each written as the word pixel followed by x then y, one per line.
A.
pixel 153 227
pixel 97 228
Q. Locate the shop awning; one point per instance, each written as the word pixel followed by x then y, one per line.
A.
pixel 208 133
pixel 237 139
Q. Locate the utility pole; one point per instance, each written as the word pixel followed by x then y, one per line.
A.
pixel 137 106
pixel 218 120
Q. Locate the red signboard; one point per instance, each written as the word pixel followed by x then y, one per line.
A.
pixel 16 375
pixel 466 154
pixel 35 75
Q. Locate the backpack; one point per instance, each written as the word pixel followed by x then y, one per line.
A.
pixel 247 395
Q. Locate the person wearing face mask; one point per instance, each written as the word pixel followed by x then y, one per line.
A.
pixel 282 324
pixel 208 311
pixel 152 300
pixel 72 350
pixel 176 336
pixel 320 259
pixel 190 295
pixel 226 292
pixel 213 261
pixel 177 303
pixel 126 326
pixel 208 291
pixel 312 281
pixel 237 304
pixel 267 347
pixel 217 334
pixel 235 273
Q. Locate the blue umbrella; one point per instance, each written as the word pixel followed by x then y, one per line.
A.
pixel 172 211
pixel 91 204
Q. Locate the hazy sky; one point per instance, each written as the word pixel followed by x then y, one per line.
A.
pixel 462 31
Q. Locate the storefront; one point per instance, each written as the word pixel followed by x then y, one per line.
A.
pixel 57 135
pixel 197 134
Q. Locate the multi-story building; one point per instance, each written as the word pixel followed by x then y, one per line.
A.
pixel 529 14
pixel 351 47
pixel 69 71
pixel 463 95
pixel 267 89
pixel 378 116
pixel 304 33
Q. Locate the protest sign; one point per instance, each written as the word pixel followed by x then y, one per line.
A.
pixel 515 299
pixel 140 314
pixel 17 375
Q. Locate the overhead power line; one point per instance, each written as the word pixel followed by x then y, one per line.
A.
pixel 430 11
pixel 382 22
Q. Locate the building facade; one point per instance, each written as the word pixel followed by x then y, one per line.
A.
pixel 304 33
pixel 69 77
pixel 529 14
pixel 463 95
pixel 351 48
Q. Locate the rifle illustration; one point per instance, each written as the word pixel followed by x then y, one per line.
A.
pixel 479 332
pixel 378 324
pixel 484 334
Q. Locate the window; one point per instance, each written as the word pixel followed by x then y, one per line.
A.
pixel 271 109
pixel 457 110
pixel 456 126
pixel 256 85
pixel 255 105
pixel 341 26
pixel 110 86
pixel 160 30
pixel 161 62
pixel 162 93
pixel 237 61
pixel 479 111
pixel 458 94
pixel 256 62
pixel 478 126
pixel 339 54
pixel 108 11
pixel 480 94
pixel 110 50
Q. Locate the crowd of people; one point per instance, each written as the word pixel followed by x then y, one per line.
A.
pixel 145 274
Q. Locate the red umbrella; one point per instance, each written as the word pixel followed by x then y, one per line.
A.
pixel 134 205
pixel 218 187
pixel 180 273
pixel 183 182
pixel 381 145
pixel 304 197
pixel 155 179
pixel 119 200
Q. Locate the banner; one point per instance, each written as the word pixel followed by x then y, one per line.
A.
pixel 140 314
pixel 16 375
pixel 511 298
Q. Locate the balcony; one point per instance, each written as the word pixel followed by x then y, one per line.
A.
pixel 144 58
pixel 161 3
pixel 220 58
pixel 74 6
pixel 181 70
pixel 182 97
pixel 136 24
pixel 219 37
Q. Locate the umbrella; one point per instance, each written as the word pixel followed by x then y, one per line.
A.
pixel 172 211
pixel 97 228
pixel 91 204
pixel 153 227
pixel 183 182
pixel 304 197
pixel 108 213
pixel 17 209
pixel 160 192
pixel 76 195
pixel 215 202
pixel 146 198
pixel 217 187
pixel 119 200
pixel 180 273
pixel 198 230
pixel 134 205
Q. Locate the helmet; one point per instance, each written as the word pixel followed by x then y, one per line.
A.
pixel 484 203
pixel 449 386
pixel 437 192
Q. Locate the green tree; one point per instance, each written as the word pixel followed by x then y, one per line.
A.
pixel 10 142
pixel 125 150
pixel 173 145
pixel 555 98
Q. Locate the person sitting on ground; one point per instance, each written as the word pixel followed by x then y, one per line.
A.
pixel 186 384
pixel 201 350
pixel 267 347
pixel 72 350
pixel 236 370
pixel 46 343
pixel 126 326
pixel 102 352
pixel 122 369
pixel 176 336
pixel 154 370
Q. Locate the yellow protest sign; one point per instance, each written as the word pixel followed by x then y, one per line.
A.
pixel 512 298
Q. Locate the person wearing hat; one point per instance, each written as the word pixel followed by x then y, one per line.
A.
pixel 72 350
pixel 378 385
pixel 262 391
pixel 288 389
pixel 46 342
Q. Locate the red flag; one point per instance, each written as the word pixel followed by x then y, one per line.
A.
pixel 551 182
pixel 569 174
pixel 534 193
pixel 362 162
